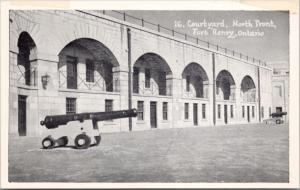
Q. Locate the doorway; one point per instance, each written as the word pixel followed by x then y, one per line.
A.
pixel 153 118
pixel 22 115
pixel 225 114
pixel 248 113
pixel 195 111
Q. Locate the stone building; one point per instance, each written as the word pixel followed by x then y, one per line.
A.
pixel 280 88
pixel 64 62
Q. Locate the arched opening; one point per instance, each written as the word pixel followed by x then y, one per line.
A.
pixel 152 74
pixel 27 59
pixel 225 86
pixel 248 89
pixel 195 81
pixel 88 65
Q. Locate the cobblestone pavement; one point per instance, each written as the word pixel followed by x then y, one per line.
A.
pixel 240 153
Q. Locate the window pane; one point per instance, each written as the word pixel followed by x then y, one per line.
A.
pixel 231 111
pixel 253 111
pixel 90 68
pixel 147 78
pixel 188 81
pixel 70 105
pixel 186 111
pixel 140 110
pixel 165 110
pixel 243 111
pixel 219 111
pixel 135 80
pixel 108 105
pixel 203 111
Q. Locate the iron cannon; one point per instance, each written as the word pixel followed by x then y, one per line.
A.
pixel 81 126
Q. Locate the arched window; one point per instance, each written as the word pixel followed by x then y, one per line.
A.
pixel 248 89
pixel 225 86
pixel 26 57
pixel 152 74
pixel 88 64
pixel 195 81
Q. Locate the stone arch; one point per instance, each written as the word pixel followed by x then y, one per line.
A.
pixel 27 55
pixel 226 84
pixel 195 76
pixel 152 73
pixel 94 65
pixel 248 89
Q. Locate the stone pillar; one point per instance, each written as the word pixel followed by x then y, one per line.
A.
pixel 141 80
pixel 13 93
pixel 116 79
pixel 123 74
pixel 49 102
pixel 177 109
pixel 169 85
pixel 206 89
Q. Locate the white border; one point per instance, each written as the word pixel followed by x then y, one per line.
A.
pixel 291 5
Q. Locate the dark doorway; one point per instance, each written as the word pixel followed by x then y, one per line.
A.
pixel 22 115
pixel 71 72
pixel 278 109
pixel 225 114
pixel 195 114
pixel 248 113
pixel 153 118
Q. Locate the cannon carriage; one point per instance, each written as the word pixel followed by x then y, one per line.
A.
pixel 82 128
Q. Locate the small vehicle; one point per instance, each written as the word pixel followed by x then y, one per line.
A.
pixel 80 127
pixel 276 118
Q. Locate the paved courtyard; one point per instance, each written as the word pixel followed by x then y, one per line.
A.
pixel 242 153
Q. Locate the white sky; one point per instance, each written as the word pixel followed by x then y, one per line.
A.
pixel 272 47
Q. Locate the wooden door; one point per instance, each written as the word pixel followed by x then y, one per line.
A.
pixel 195 111
pixel 153 118
pixel 22 115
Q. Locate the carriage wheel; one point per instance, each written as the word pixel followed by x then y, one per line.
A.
pixel 82 141
pixel 48 142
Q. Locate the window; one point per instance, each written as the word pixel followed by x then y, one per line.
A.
pixel 243 111
pixel 270 110
pixel 231 111
pixel 165 110
pixel 219 111
pixel 90 68
pixel 136 72
pixel 253 111
pixel 70 105
pixel 203 111
pixel 188 81
pixel 262 112
pixel 140 110
pixel 147 78
pixel 108 105
pixel 186 111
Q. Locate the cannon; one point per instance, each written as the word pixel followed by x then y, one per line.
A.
pixel 81 127
pixel 277 116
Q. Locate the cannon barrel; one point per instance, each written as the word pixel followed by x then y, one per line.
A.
pixel 278 114
pixel 53 121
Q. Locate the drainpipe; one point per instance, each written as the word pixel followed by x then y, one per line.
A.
pixel 129 76
pixel 258 84
pixel 214 88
